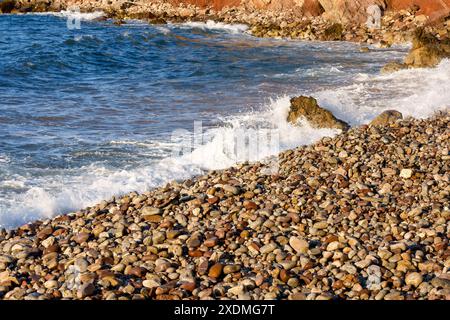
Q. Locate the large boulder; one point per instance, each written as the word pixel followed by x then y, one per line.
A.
pixel 300 8
pixel 349 11
pixel 6 6
pixel 387 117
pixel 307 108
pixel 434 9
pixel 427 50
pixel 333 32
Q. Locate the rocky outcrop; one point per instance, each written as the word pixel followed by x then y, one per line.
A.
pixel 334 32
pixel 346 11
pixel 7 6
pixel 307 108
pixel 434 9
pixel 427 50
pixel 386 118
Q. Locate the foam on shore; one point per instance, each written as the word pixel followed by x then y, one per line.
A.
pixel 419 93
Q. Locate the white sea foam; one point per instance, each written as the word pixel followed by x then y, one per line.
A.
pixel 4 158
pixel 215 26
pixel 73 14
pixel 417 93
pixel 414 92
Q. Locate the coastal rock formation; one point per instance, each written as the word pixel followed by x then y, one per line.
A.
pixel 342 11
pixel 386 118
pixel 7 6
pixel 434 9
pixel 427 50
pixel 307 108
pixel 346 11
pixel 366 210
pixel 334 32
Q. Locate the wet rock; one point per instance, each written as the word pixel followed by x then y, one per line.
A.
pixel 393 67
pixel 386 117
pixel 427 50
pixel 334 32
pixel 307 108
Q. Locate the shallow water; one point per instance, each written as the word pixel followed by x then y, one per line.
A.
pixel 87 114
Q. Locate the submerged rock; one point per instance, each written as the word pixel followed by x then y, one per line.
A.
pixel 386 118
pixel 307 107
pixel 393 67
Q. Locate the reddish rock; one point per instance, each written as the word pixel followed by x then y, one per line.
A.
pixel 216 270
pixel 433 8
pixel 202 268
pixel 189 286
pixel 346 11
pixel 211 242
pixel 81 237
pixel 250 205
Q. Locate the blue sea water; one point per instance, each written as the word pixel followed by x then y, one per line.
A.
pixel 86 114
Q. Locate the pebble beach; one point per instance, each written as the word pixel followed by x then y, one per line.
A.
pixel 363 215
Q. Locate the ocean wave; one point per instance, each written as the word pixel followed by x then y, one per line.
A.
pixel 70 190
pixel 414 92
pixel 417 93
pixel 73 14
pixel 215 26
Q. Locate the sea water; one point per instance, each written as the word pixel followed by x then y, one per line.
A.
pixel 89 113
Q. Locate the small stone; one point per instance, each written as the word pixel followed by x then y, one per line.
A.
pixel 188 286
pixel 51 284
pixel 150 211
pixel 81 237
pixel 320 225
pixel 413 279
pixel 406 173
pixel 231 189
pixel 202 268
pixel 86 290
pixel 211 242
pixel 250 205
pixel 299 245
pixel 268 248
pixel 151 284
pixel 231 268
pixel 334 246
pixel 216 270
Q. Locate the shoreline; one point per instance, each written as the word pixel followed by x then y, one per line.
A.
pixel 375 229
pixel 362 215
pixel 397 26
